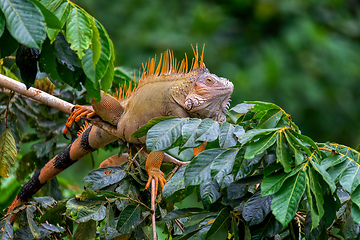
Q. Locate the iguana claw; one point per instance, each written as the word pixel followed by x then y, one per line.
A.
pixel 77 114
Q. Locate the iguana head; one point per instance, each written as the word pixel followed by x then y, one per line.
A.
pixel 204 95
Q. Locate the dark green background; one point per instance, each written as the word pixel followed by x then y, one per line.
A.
pixel 302 55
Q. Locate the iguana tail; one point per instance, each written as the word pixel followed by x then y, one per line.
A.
pixel 89 140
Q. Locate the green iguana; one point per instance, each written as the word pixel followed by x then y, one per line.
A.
pixel 167 89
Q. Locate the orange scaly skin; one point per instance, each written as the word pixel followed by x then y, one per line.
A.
pixel 167 89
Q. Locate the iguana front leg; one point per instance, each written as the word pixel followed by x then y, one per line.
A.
pixel 109 109
pixel 152 167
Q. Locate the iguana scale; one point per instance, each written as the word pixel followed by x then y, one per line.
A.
pixel 167 89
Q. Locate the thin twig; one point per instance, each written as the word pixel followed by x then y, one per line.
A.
pixel 179 224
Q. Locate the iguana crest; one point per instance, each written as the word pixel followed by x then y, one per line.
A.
pixel 168 68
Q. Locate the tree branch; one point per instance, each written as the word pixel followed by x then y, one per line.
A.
pixel 35 94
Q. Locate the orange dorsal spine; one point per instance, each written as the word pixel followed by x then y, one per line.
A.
pixel 166 65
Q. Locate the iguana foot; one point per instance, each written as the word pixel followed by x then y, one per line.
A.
pixel 77 114
pixel 152 166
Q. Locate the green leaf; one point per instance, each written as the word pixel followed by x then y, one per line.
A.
pixel 262 106
pixel 25 22
pixel 93 89
pixel 188 133
pixel 286 200
pixel 272 184
pixel 85 210
pixel 164 134
pixel 182 213
pixel 106 51
pixel 237 190
pixel 282 152
pixel 129 219
pixel 98 179
pixel 350 177
pixel 85 230
pixel 223 164
pixel 355 213
pixel 144 129
pixel 48 62
pixel 107 79
pixel 299 157
pixel 2 23
pixel 219 228
pixel 62 12
pixel 314 197
pixel 34 228
pixel 261 145
pixel 207 131
pixel 242 108
pixel 198 170
pixel 270 119
pixel 50 19
pixel 298 141
pixel 256 209
pixel 243 138
pixel 325 175
pixel 227 137
pixel 6 229
pixel 79 31
pixel 88 65
pixel 11 44
pixel 7 152
pixel 209 192
pixel 175 190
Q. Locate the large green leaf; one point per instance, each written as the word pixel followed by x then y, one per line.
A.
pixel 79 31
pixel 86 210
pixel 175 190
pixel 262 106
pixel 244 138
pixel 164 134
pixel 34 228
pixel 325 175
pixel 85 230
pixel 223 164
pixel 129 219
pixel 98 179
pixel 7 152
pixel 50 19
pixel 144 129
pixel 106 51
pixel 188 133
pixel 25 22
pixel 272 183
pixel 286 200
pixel 314 197
pixel 209 192
pixel 6 229
pixel 198 170
pixel 270 119
pixel 88 65
pixel 207 131
pixel 282 152
pixel 256 208
pixel 219 228
pixel 227 137
pixel 62 12
pixel 2 23
pixel 261 145
pixel 350 177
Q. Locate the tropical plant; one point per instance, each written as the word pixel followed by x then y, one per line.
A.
pixel 258 178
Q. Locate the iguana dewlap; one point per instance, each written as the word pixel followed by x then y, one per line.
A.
pixel 167 89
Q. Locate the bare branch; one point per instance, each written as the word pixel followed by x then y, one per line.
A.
pixel 35 94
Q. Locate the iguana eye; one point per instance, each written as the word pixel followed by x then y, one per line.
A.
pixel 209 80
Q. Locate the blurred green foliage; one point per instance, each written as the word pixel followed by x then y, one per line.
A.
pixel 300 54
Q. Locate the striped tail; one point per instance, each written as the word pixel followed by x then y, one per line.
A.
pixel 90 139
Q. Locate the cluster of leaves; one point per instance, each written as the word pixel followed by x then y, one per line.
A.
pixel 258 178
pixel 59 38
